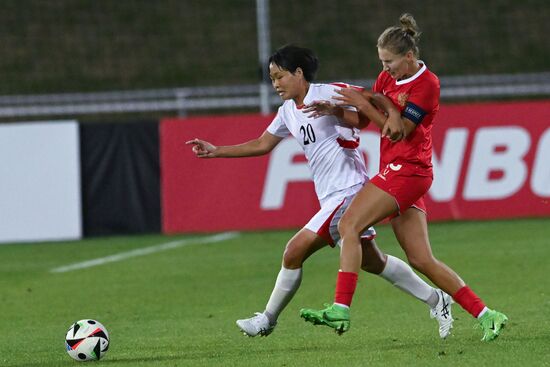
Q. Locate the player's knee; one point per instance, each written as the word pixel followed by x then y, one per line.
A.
pixel 347 227
pixel 293 257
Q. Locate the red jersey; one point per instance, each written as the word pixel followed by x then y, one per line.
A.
pixel 418 99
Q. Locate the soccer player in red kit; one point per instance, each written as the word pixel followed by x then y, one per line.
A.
pixel 405 176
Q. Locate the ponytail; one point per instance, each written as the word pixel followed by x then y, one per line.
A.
pixel 401 39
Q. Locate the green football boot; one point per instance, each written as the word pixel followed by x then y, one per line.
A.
pixel 334 316
pixel 492 322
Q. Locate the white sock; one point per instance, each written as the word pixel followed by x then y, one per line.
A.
pixel 400 274
pixel 288 282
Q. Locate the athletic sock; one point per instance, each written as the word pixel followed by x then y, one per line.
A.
pixel 469 301
pixel 287 283
pixel 401 275
pixel 346 282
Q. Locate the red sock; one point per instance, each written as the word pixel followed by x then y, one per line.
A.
pixel 345 287
pixel 469 301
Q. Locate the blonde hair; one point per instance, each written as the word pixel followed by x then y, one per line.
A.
pixel 401 39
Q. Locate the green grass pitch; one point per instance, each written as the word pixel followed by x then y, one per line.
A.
pixel 178 307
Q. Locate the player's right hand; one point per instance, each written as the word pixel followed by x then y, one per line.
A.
pixel 351 97
pixel 202 149
pixel 394 129
pixel 317 109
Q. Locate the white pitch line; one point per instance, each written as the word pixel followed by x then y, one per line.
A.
pixel 144 251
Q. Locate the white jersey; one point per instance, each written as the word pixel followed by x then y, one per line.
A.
pixel 330 146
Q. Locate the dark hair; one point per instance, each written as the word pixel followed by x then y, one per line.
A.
pixel 291 57
pixel 401 39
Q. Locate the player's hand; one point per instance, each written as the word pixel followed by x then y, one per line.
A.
pixel 320 108
pixel 202 149
pixel 367 94
pixel 350 97
pixel 394 129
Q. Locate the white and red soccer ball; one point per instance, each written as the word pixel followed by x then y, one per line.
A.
pixel 87 340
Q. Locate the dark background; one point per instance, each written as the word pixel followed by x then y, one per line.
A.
pixel 58 46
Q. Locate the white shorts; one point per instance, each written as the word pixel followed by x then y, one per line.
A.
pixel 325 221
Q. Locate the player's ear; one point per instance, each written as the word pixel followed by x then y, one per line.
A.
pixel 299 71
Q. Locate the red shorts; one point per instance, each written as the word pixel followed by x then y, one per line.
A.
pixel 406 183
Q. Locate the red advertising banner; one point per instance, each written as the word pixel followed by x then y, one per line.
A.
pixel 489 162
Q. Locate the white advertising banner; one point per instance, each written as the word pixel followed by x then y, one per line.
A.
pixel 40 197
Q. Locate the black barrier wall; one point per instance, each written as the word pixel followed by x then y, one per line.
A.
pixel 120 172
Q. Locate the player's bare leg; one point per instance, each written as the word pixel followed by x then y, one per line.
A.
pixel 411 230
pixel 368 207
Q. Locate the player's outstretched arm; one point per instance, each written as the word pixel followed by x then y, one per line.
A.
pixel 260 146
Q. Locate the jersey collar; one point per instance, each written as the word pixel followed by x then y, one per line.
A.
pixel 410 79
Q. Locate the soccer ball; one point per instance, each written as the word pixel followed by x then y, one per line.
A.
pixel 87 340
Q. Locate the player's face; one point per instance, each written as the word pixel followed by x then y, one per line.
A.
pixel 399 66
pixel 287 84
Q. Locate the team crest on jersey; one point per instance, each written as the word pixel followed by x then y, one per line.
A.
pixel 402 99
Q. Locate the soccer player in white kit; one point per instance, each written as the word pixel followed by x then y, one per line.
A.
pixel 338 172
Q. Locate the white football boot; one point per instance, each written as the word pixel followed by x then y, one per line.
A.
pixel 442 312
pixel 256 325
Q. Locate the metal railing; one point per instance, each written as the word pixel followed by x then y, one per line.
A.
pixel 185 100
